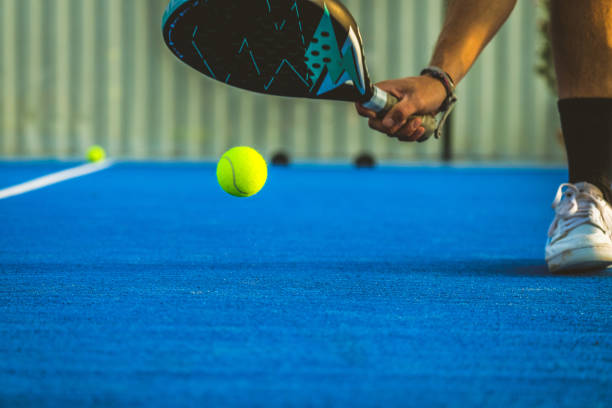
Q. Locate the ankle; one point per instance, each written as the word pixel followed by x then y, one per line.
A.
pixel 602 183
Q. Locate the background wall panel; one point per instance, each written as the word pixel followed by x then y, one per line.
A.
pixel 78 72
pixel 8 78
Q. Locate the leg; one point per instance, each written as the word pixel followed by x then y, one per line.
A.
pixel 580 236
pixel 582 45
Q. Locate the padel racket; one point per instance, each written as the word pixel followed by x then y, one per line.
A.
pixel 298 48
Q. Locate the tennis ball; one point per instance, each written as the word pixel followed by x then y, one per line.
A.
pixel 242 172
pixel 96 154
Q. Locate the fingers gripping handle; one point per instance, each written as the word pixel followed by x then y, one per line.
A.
pixel 382 102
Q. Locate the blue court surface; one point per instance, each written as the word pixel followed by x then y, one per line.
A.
pixel 146 285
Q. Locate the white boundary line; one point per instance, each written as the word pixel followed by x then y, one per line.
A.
pixel 54 178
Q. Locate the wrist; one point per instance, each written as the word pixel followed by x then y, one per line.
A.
pixel 450 99
pixel 446 81
pixel 453 67
pixel 436 91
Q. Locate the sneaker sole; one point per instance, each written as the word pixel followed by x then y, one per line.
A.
pixel 581 259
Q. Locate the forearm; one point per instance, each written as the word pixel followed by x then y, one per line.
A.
pixel 468 28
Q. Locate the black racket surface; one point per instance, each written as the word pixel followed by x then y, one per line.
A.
pixel 298 48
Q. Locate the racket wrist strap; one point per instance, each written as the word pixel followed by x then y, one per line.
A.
pixel 451 97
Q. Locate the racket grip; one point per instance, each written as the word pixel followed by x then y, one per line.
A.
pixel 382 102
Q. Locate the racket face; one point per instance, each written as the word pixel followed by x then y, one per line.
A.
pixel 298 48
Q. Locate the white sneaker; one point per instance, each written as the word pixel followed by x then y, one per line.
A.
pixel 580 237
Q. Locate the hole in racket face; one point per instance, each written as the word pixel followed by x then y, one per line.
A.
pixel 303 48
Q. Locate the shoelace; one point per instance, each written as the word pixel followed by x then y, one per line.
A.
pixel 578 208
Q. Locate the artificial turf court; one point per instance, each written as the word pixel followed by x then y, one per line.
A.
pixel 145 284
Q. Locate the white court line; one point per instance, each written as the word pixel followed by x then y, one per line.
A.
pixel 54 178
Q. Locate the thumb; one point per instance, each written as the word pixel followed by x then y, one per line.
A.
pixel 398 116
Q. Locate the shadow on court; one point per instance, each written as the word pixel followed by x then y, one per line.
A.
pixel 470 267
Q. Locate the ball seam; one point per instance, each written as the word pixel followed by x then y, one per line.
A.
pixel 234 175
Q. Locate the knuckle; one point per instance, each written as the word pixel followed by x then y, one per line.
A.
pixel 415 136
pixel 401 113
pixel 405 139
pixel 402 135
pixel 374 125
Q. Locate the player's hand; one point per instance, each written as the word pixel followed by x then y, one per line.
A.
pixel 418 96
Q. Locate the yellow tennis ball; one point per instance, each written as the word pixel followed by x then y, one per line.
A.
pixel 96 154
pixel 242 172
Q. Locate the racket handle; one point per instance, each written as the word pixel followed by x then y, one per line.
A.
pixel 382 102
